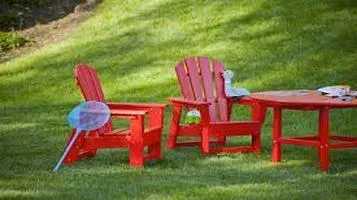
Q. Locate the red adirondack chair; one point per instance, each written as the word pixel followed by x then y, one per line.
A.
pixel 136 138
pixel 202 86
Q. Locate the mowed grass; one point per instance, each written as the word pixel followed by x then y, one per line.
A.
pixel 134 45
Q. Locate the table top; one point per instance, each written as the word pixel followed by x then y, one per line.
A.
pixel 300 98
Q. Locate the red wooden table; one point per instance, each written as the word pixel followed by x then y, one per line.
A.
pixel 306 100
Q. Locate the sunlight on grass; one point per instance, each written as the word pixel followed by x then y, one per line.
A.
pixel 8 194
pixel 134 45
pixel 9 127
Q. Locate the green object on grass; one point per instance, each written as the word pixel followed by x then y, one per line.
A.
pixel 193 117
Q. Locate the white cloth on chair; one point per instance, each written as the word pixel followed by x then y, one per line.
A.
pixel 231 91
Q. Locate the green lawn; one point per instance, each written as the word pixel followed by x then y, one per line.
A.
pixel 269 44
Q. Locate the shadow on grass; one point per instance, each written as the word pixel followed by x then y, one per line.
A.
pixel 218 177
pixel 269 45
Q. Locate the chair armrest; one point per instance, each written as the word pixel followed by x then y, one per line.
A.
pixel 188 103
pixel 135 106
pixel 246 100
pixel 258 110
pixel 121 113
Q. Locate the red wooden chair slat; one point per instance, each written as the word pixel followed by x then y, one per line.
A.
pixel 184 80
pixel 218 69
pixel 195 78
pixel 207 86
pixel 206 72
pixel 91 88
pixel 136 137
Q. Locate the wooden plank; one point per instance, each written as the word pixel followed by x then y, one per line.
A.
pixel 343 145
pixel 135 106
pixel 277 133
pixel 308 143
pixel 136 143
pixel 122 112
pixel 218 69
pixel 234 128
pixel 196 82
pixel 190 131
pixel 174 126
pixel 115 141
pixel 311 138
pixel 89 83
pixel 99 95
pixel 343 138
pixel 206 72
pixel 83 83
pixel 184 81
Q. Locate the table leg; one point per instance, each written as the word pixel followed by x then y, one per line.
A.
pixel 277 135
pixel 324 129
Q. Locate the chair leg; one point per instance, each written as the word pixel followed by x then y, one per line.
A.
pixel 136 143
pixel 74 153
pixel 205 140
pixel 277 134
pixel 136 152
pixel 258 114
pixel 92 151
pixel 174 126
pixel 256 142
pixel 156 118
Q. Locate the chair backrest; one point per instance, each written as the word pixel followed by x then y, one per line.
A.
pixel 202 80
pixel 88 82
